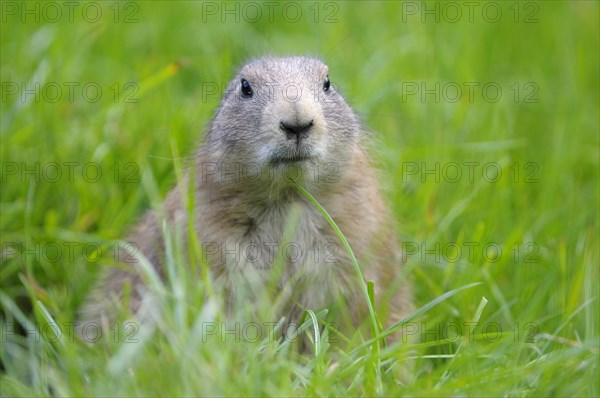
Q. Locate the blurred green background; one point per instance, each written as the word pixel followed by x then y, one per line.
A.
pixel 468 87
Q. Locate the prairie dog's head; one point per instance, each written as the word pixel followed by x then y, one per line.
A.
pixel 281 113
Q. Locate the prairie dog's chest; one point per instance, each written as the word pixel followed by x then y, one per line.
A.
pixel 295 237
pixel 298 245
pixel 295 234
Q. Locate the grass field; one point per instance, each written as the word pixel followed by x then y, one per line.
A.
pixel 487 133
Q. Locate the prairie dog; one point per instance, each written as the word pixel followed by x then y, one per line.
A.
pixel 279 118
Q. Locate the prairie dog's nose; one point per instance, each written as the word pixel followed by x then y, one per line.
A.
pixel 296 129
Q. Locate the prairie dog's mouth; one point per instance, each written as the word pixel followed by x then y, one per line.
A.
pixel 289 159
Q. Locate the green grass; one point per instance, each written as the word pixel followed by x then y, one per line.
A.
pixel 535 305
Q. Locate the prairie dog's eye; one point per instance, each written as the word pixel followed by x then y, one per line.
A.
pixel 246 89
pixel 326 83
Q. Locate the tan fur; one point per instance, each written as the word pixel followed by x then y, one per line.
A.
pixel 238 209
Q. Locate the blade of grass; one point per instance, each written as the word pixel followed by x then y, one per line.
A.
pixel 340 235
pixel 409 317
pixel 315 324
pixel 50 321
pixel 475 320
pixel 372 315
